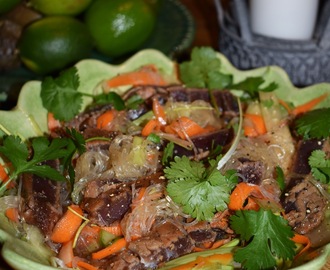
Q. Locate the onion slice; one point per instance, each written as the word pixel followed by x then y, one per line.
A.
pixel 233 147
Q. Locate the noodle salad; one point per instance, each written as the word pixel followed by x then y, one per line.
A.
pixel 163 165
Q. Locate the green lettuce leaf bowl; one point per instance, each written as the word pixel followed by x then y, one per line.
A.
pixel 29 119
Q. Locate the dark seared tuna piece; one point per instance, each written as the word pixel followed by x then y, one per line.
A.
pixel 43 200
pixel 252 171
pixel 167 241
pixel 204 144
pixel 109 206
pixel 304 150
pixel 304 205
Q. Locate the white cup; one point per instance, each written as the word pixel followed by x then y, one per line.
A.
pixel 284 19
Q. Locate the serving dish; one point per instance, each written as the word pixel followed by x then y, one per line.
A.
pixel 173 20
pixel 29 119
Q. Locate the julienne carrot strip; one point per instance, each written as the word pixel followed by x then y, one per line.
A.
pixel 109 250
pixel 254 125
pixel 304 107
pixel 184 126
pixel 302 239
pixel 153 125
pixel 12 214
pixel 66 253
pixel 105 119
pixel 309 105
pixel 68 225
pixel 240 197
pixel 86 266
pixel 158 111
pixel 223 259
pixel 114 229
pixel 285 105
pixel 3 174
pixel 147 75
pixel 52 123
pixel 214 245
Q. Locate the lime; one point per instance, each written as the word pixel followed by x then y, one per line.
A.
pixel 52 43
pixel 60 7
pixel 7 5
pixel 119 26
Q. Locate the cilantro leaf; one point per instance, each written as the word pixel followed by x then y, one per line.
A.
pixel 268 236
pixel 251 86
pixel 18 153
pixel 110 98
pixel 201 192
pixel 314 124
pixel 201 68
pixel 320 166
pixel 60 95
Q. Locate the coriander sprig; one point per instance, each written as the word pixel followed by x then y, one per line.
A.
pixel 201 191
pixel 61 96
pixel 31 158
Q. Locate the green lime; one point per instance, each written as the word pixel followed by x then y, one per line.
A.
pixel 119 26
pixel 7 5
pixel 60 7
pixel 52 43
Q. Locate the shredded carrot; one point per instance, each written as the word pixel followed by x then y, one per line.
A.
pixel 240 197
pixel 114 229
pixel 52 122
pixel 141 193
pixel 302 239
pixel 158 111
pixel 105 119
pixel 66 253
pixel 12 214
pixel 309 105
pixel 254 125
pixel 223 259
pixel 68 225
pixel 147 75
pixel 3 174
pixel 109 250
pixel 86 266
pixel 285 105
pixel 184 126
pixel 210 245
pixel 153 125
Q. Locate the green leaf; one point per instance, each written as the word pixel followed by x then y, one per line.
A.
pixel 251 85
pixel 42 150
pixel 201 192
pixel 314 124
pixel 268 236
pixel 60 95
pixel 320 166
pixel 110 98
pixel 196 72
pixel 280 178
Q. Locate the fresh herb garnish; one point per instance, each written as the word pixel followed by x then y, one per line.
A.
pixel 168 153
pixel 25 161
pixel 314 124
pixel 320 166
pixel 203 70
pixel 61 96
pixel 280 178
pixel 110 98
pixel 268 236
pixel 199 190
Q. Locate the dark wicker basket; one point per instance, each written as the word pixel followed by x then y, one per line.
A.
pixel 306 62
